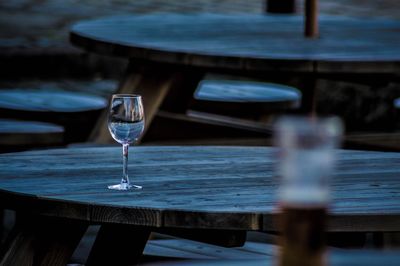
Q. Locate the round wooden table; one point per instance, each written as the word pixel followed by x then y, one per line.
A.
pixel 208 190
pixel 258 42
pixel 171 52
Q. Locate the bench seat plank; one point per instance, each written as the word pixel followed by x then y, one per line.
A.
pixel 76 112
pixel 242 98
pixel 49 101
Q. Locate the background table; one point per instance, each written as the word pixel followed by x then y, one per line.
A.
pixel 170 53
pixel 222 189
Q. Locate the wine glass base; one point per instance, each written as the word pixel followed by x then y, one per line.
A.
pixel 124 187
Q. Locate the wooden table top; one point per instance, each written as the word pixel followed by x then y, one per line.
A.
pixel 247 42
pixel 193 186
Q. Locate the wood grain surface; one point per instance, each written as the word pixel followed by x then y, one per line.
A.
pixel 193 187
pixel 247 42
pixel 245 92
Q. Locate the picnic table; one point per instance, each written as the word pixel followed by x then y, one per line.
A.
pixel 205 190
pixel 170 53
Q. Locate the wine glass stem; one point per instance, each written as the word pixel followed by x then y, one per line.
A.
pixel 125 179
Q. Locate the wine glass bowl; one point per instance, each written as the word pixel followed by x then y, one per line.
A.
pixel 126 125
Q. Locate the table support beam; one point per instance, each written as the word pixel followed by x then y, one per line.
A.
pixel 118 245
pixel 151 82
pixel 42 241
pixel 309 88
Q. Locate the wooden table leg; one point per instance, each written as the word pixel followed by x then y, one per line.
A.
pixel 43 241
pixel 152 82
pixel 118 245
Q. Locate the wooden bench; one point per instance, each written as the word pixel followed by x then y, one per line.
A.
pixel 244 105
pixel 244 98
pixel 17 135
pixel 164 247
pixel 187 249
pixel 225 111
pixel 75 111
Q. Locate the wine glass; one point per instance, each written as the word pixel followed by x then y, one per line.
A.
pixel 126 124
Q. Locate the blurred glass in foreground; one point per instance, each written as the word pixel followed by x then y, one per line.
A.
pixel 307 156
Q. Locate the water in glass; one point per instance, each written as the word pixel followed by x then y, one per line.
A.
pixel 126 125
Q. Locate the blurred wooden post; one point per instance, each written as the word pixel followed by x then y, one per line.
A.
pixel 311 19
pixel 280 6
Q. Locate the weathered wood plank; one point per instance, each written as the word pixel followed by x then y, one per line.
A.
pixel 245 91
pixel 163 249
pixel 244 98
pixel 187 249
pixel 192 186
pixel 152 83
